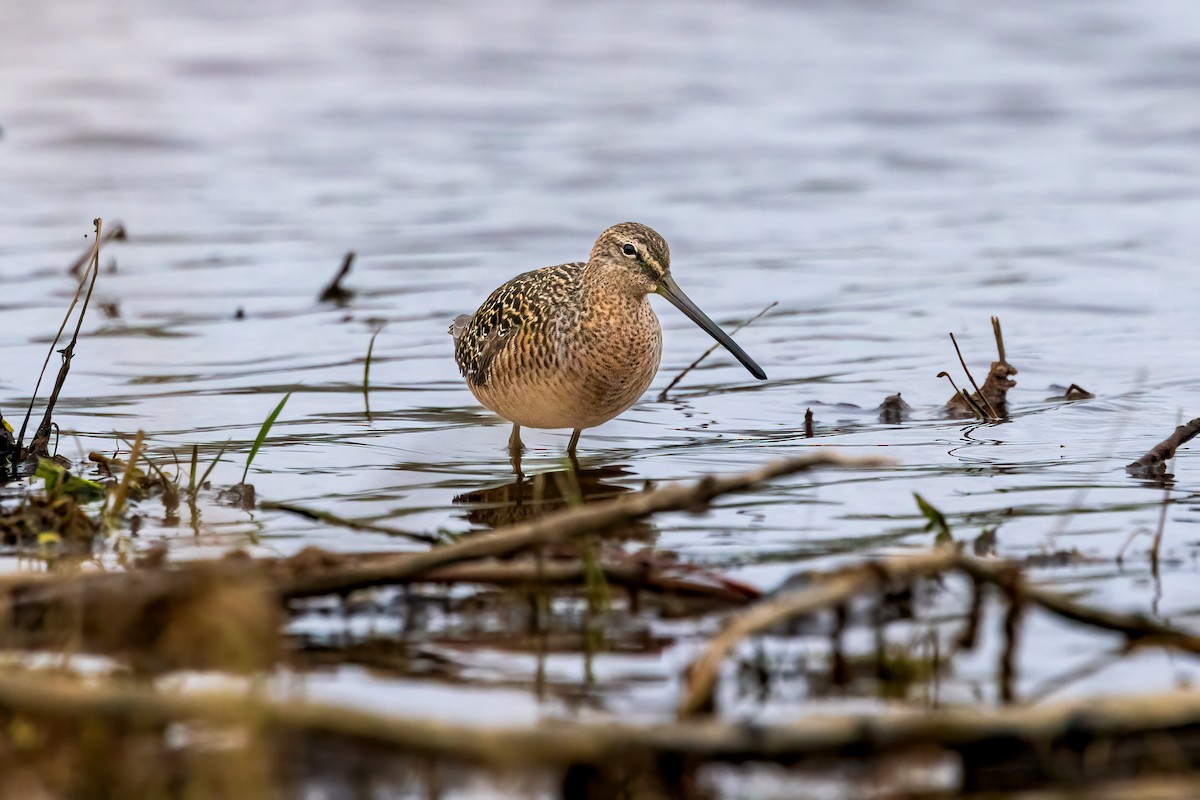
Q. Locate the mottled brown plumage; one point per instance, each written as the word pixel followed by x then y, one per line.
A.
pixel 574 345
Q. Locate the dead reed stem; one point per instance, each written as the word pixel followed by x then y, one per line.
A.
pixel 41 438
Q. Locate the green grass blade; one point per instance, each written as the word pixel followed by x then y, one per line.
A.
pixel 209 470
pixel 262 434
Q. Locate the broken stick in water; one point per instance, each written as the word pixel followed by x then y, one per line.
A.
pixel 1165 449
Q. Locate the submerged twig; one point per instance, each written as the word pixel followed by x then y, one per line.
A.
pixel 662 396
pixel 335 292
pixel 318 515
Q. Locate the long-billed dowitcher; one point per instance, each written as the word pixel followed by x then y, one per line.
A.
pixel 573 346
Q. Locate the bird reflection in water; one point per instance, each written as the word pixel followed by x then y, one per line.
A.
pixel 528 497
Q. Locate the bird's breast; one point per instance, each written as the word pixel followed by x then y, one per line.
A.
pixel 582 370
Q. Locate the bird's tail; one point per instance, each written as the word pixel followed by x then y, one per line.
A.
pixel 459 325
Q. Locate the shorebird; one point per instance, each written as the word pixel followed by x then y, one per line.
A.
pixel 574 345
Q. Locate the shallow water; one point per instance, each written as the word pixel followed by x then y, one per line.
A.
pixel 888 172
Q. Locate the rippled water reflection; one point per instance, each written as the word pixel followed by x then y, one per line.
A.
pixel 887 172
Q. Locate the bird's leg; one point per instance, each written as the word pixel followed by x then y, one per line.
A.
pixel 574 441
pixel 514 450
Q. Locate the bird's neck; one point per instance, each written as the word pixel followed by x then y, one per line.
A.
pixel 608 286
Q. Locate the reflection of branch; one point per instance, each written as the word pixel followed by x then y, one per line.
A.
pixel 1167 447
pixel 559 526
pixel 662 396
pixel 841 587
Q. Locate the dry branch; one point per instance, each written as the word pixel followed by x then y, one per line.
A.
pixel 1164 450
pixel 832 592
pixel 559 526
pixel 837 589
pixel 156 618
pixel 1053 740
pixel 317 515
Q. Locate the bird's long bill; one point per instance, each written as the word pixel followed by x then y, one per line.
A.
pixel 670 290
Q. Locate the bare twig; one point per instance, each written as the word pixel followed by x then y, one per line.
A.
pixel 67 353
pixel 318 515
pixel 991 410
pixel 115 232
pixel 966 398
pixel 662 396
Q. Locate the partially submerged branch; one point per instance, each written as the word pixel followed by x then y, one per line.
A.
pixel 829 593
pixel 990 401
pixel 560 526
pixel 335 292
pixel 1165 450
pixel 864 579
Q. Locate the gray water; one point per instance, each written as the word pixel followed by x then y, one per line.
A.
pixel 888 172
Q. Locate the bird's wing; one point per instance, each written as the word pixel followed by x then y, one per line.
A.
pixel 525 303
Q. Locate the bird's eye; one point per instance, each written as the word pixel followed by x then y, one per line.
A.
pixel 629 249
